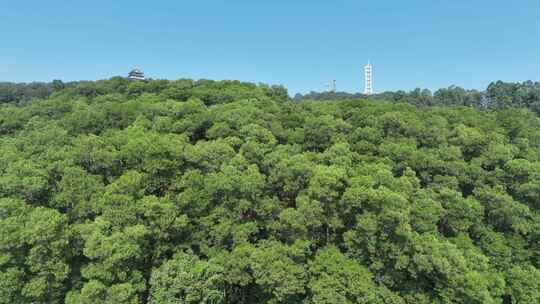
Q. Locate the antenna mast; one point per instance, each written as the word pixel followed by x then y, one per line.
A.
pixel 368 79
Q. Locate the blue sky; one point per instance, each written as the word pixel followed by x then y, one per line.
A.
pixel 300 44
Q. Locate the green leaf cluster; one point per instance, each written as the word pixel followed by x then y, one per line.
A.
pixel 227 192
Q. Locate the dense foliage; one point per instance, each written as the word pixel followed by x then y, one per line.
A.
pixel 21 93
pixel 225 192
pixel 498 95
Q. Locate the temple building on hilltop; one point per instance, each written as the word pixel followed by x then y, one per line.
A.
pixel 136 74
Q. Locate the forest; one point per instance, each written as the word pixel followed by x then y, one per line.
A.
pixel 498 95
pixel 184 191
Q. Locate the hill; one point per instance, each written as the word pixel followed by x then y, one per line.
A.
pixel 498 95
pixel 229 192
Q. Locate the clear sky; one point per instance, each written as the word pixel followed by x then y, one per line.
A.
pixel 301 44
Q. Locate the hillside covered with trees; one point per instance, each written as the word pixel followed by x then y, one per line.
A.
pixel 186 191
pixel 498 95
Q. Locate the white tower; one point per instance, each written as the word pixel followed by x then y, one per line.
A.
pixel 368 79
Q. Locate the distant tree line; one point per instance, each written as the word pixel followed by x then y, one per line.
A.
pixel 497 95
pixel 21 93
pixel 207 90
